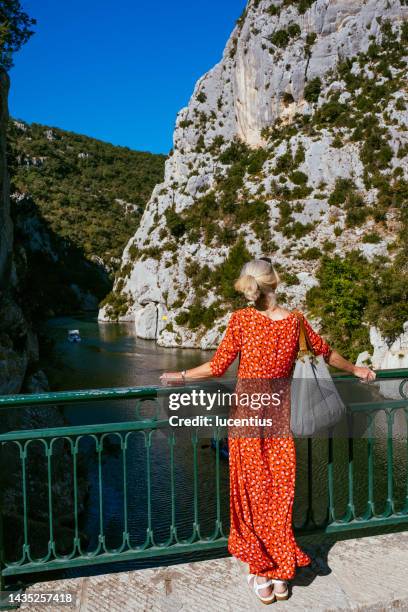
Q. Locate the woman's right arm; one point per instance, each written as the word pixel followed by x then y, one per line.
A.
pixel 224 356
pixel 201 371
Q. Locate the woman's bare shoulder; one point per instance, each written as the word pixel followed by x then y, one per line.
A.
pixel 284 311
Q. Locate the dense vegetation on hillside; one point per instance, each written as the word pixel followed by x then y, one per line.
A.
pixel 76 202
pixel 354 289
pixel 91 193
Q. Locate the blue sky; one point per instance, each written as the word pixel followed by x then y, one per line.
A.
pixel 117 70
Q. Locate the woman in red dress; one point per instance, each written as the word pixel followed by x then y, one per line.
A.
pixel 262 469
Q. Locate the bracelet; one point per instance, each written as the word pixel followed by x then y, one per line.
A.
pixel 183 375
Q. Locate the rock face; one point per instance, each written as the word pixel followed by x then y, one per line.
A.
pixel 18 342
pixel 272 101
pixel 384 356
pixel 19 371
pixel 6 229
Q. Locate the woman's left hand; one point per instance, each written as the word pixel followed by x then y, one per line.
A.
pixel 364 373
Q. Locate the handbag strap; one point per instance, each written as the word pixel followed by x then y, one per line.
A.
pixel 305 345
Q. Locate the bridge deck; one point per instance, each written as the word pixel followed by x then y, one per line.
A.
pixel 359 574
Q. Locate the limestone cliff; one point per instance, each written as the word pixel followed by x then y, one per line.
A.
pixel 284 149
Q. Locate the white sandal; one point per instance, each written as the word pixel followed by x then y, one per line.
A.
pixel 285 594
pixel 256 587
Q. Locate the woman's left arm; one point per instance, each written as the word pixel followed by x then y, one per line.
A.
pixel 333 358
pixel 337 361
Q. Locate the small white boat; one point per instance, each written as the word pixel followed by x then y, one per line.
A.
pixel 74 336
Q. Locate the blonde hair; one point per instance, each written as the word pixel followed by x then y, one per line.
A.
pixel 258 279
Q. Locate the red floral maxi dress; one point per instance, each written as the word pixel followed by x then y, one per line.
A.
pixel 262 470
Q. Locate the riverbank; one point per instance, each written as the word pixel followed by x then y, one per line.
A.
pixel 359 574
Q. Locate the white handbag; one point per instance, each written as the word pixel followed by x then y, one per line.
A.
pixel 316 405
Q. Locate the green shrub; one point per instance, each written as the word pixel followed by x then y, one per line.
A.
pixel 237 151
pixel 299 157
pixel 199 315
pixel 293 30
pixel 284 162
pixel 256 160
pixel 311 253
pixel 175 223
pixel 328 246
pixel 182 317
pixel 299 178
pixel 297 229
pixel 185 123
pixel 331 112
pixel 234 46
pixel 225 274
pixel 154 252
pixel 372 238
pixel 311 38
pixel 356 208
pixel 288 278
pixel 273 10
pixel 133 252
pixel 200 146
pixel 345 193
pixel 312 90
pixel 337 142
pixel 300 192
pixel 252 211
pixel 280 38
pixel 341 190
pixel 117 304
pixel 303 5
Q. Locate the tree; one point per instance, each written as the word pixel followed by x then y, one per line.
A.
pixel 15 30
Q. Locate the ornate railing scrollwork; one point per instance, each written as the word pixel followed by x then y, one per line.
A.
pixel 403 389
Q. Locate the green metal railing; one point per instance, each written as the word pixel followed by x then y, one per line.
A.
pixel 70 438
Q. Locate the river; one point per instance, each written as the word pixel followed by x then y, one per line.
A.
pixel 110 355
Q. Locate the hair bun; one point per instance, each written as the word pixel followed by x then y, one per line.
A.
pixel 258 278
pixel 247 285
